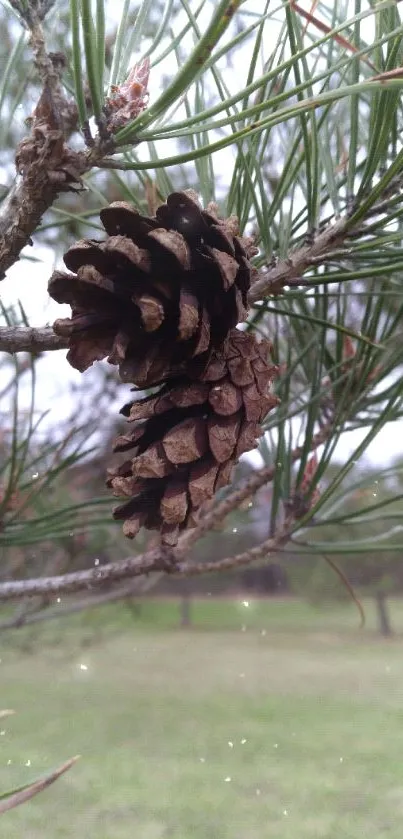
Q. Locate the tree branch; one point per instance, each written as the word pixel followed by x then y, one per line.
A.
pixel 46 165
pixel 290 270
pixel 158 559
pixel 30 339
pixel 138 587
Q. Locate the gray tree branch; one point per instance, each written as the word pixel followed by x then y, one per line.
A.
pixel 137 588
pixel 158 559
pixel 30 339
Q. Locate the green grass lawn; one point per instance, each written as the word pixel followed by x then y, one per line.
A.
pixel 271 720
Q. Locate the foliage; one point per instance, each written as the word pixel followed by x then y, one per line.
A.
pixel 371 571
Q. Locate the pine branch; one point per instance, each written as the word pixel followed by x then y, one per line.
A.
pixel 158 559
pixel 133 589
pixel 46 165
pixel 328 244
pixel 30 339
pixel 289 271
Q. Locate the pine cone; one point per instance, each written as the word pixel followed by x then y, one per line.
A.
pixel 157 291
pixel 187 438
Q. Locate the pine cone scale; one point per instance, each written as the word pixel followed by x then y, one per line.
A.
pixel 174 504
pixel 186 442
pixel 188 314
pixel 172 247
pixel 152 312
pixel 223 434
pixel 202 481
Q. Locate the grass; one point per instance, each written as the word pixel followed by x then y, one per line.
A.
pixel 267 721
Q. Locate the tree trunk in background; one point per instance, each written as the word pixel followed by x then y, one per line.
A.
pixel 185 604
pixel 384 623
pixel 134 607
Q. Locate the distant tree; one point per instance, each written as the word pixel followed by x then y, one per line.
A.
pixel 355 533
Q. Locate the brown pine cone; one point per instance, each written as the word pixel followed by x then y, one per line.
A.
pixel 157 291
pixel 187 438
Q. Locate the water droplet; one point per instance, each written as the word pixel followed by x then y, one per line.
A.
pixel 245 603
pixel 83 667
pixel 27 763
pixel 58 600
pixel 230 743
pixel 96 561
pixel 227 779
pixel 235 530
pixel 250 504
pixel 374 494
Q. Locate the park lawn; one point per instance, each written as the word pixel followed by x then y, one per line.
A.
pixel 276 721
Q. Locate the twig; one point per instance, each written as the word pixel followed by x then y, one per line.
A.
pixel 30 339
pixel 43 61
pixel 28 791
pixel 269 546
pixel 46 165
pixel 157 559
pixel 294 266
pixel 138 587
